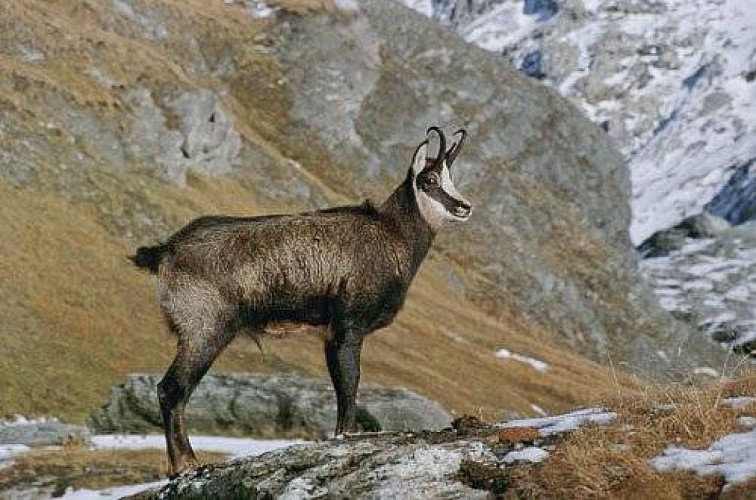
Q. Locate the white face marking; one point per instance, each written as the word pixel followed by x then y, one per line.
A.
pixel 434 213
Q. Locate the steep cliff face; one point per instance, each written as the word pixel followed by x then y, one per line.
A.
pixel 121 120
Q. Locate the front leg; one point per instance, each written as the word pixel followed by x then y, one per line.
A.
pixel 343 359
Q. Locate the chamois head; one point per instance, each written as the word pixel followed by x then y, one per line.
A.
pixel 435 193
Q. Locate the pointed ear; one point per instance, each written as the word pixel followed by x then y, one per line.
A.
pixel 419 159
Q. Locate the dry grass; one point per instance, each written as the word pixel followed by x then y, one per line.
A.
pixel 76 316
pixel 612 461
pixel 79 467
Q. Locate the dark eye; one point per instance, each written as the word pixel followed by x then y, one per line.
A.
pixel 432 180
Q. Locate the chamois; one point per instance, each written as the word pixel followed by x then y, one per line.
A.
pixel 345 268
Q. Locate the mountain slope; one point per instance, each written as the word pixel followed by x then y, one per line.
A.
pixel 123 120
pixel 672 82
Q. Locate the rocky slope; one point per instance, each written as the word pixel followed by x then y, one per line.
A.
pixel 676 441
pixel 671 82
pixel 122 120
pixel 467 461
pixel 711 282
pixel 641 449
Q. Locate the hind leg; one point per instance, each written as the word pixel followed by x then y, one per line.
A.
pixel 195 354
pixel 343 359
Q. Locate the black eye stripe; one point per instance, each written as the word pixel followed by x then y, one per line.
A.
pixel 437 193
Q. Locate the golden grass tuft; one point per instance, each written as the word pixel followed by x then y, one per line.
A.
pixel 612 461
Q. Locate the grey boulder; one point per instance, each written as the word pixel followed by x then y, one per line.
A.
pixel 265 405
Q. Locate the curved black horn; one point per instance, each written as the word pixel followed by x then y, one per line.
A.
pixel 442 144
pixel 456 147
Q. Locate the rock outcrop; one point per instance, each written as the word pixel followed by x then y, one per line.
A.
pixel 466 461
pixel 265 405
pixel 711 282
pixel 676 97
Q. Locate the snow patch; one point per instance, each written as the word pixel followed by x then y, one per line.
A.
pixel 563 423
pixel 537 364
pixel 22 420
pixel 113 492
pixel 258 9
pixel 8 451
pixel 733 456
pixel 539 410
pixel 706 370
pixel 531 454
pixel 747 422
pixel 347 5
pixel 236 447
pixel 425 7
pixel 740 402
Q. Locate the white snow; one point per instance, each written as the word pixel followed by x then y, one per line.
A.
pixel 747 422
pixel 711 281
pixel 236 447
pixel 347 5
pixel 706 370
pixel 8 451
pixel 113 492
pixel 563 423
pixel 539 410
pixel 537 364
pixel 23 420
pixel 531 454
pixel 256 8
pixel 425 7
pixel 503 26
pixel 740 402
pixel 733 456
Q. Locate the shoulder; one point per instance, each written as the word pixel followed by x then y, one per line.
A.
pixel 366 209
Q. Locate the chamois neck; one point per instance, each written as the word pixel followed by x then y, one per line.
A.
pixel 401 210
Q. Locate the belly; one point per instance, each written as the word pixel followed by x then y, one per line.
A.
pixel 281 329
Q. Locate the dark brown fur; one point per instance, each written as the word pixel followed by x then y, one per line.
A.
pixel 346 269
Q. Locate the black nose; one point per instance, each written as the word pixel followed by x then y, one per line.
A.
pixel 462 209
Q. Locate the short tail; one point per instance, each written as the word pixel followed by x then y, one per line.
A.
pixel 149 257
